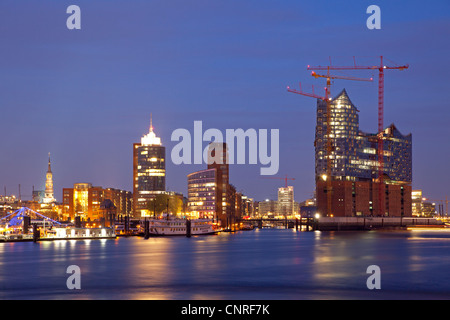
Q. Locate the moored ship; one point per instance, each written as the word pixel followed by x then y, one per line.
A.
pixel 180 227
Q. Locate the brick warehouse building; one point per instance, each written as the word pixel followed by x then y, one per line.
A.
pixel 360 198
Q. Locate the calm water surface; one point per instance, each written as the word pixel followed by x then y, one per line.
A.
pixel 260 264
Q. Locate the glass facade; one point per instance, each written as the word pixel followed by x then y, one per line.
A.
pixel 149 172
pixel 202 193
pixel 286 201
pixel 353 152
pixel 151 168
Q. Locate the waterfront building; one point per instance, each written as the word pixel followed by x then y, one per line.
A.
pixel 244 205
pixel 429 209
pixel 354 153
pixel 268 208
pixel 308 208
pixel 416 201
pixel 84 200
pixel 7 204
pixel 122 200
pixel 361 198
pixel 211 187
pixel 149 172
pixel 355 166
pixel 423 208
pixel 248 206
pixel 218 160
pixel 202 193
pixel 286 203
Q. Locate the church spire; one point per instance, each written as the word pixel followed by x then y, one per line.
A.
pixel 49 164
pixel 49 196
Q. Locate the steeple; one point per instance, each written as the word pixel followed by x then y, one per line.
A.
pixel 49 164
pixel 49 196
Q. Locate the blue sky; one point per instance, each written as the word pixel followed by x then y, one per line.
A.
pixel 86 95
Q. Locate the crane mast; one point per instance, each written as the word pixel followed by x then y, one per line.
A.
pixel 327 99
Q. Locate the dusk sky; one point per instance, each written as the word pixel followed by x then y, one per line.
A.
pixel 86 95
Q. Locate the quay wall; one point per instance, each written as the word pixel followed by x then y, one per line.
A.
pixel 368 223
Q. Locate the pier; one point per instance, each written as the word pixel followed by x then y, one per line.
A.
pixel 350 223
pixel 26 224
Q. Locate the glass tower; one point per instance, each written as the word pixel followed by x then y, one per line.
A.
pixel 354 153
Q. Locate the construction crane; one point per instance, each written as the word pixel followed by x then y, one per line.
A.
pixel 329 77
pixel 285 179
pixel 381 67
pixel 327 99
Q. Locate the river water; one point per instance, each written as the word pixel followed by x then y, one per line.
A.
pixel 269 264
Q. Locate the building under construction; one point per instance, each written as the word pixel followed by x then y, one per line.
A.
pixel 359 174
pixel 355 174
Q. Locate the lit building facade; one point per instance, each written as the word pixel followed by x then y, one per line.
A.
pixel 361 198
pixel 202 193
pixel 429 209
pixel 248 206
pixel 423 208
pixel 417 207
pixel 355 166
pixel 211 186
pixel 286 203
pixel 354 153
pixel 218 160
pixel 267 208
pixel 149 172
pixel 84 200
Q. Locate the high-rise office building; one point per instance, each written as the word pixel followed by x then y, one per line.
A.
pixel 354 164
pixel 202 193
pixel 149 172
pixel 286 205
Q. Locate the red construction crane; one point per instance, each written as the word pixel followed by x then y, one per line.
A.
pixel 380 69
pixel 285 179
pixel 327 98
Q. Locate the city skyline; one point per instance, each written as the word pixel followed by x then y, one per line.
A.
pixel 87 97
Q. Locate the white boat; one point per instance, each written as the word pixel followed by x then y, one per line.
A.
pixel 178 227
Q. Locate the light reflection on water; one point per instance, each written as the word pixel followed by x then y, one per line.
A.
pixel 259 264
